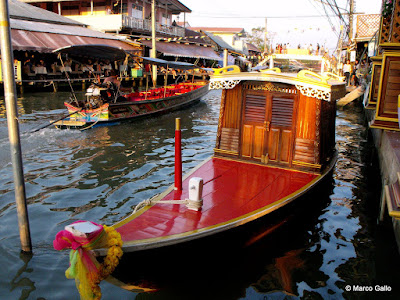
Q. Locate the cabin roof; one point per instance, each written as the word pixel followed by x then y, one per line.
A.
pixel 311 83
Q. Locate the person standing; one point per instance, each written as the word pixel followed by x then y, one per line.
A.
pixel 347 71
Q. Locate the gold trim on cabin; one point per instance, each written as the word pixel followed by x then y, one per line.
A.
pixel 304 164
pixel 268 86
pixel 316 86
pixel 216 150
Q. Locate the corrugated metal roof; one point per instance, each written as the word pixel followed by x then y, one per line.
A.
pixel 195 37
pixel 219 41
pixel 252 47
pixel 47 42
pixel 218 29
pixel 20 10
pixel 59 29
pixel 182 50
pixel 37 29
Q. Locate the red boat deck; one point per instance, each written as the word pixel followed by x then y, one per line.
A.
pixel 232 192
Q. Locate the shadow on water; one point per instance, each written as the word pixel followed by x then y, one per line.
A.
pixel 312 250
pixel 22 282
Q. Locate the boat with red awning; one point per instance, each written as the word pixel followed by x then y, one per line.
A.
pixel 275 142
pixel 106 103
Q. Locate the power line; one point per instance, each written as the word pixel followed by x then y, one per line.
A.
pixel 263 17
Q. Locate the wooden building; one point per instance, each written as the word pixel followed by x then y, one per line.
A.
pixel 119 16
pixel 386 67
pixel 383 112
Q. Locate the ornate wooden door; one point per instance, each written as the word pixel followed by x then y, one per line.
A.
pixel 281 134
pixel 254 125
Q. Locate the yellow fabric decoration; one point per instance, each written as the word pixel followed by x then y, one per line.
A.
pixel 84 267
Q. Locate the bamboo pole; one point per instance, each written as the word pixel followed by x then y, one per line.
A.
pixel 10 95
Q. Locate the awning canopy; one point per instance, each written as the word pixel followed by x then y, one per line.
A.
pixel 95 51
pixel 182 50
pixel 48 42
pixel 170 64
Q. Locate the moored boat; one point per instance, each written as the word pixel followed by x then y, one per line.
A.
pixel 275 142
pixel 105 103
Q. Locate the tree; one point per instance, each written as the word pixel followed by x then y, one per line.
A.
pixel 256 37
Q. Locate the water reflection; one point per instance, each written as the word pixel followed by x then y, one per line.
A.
pixel 3 112
pixel 21 280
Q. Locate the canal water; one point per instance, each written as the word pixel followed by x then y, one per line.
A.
pixel 330 248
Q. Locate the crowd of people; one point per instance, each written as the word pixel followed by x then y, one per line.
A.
pixel 354 72
pixel 43 67
pixel 283 49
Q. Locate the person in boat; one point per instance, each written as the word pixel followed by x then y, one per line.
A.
pixel 113 87
pixel 112 78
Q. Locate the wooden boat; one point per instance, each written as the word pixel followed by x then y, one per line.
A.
pixel 105 103
pixel 275 142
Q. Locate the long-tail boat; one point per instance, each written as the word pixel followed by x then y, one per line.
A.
pixel 104 102
pixel 275 141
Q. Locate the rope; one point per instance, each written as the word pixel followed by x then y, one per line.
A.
pixel 89 126
pixel 69 80
pixel 190 204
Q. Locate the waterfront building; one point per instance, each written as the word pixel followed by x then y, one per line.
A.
pixel 36 32
pixel 132 19
pixel 383 112
pixel 122 17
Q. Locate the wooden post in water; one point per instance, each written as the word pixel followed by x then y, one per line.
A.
pixel 178 155
pixel 153 41
pixel 10 95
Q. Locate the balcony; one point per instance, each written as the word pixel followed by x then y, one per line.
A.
pixel 145 25
pixel 121 23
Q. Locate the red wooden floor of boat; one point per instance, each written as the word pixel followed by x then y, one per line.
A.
pixel 231 189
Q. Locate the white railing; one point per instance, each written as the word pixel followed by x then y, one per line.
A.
pixel 117 22
pixel 140 24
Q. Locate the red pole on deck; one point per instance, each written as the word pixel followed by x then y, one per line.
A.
pixel 178 155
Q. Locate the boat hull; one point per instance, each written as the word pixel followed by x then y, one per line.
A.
pixel 129 110
pixel 234 194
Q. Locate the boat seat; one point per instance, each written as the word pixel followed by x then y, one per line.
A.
pixel 392 197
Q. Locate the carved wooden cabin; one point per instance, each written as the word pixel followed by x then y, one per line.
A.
pixel 278 119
